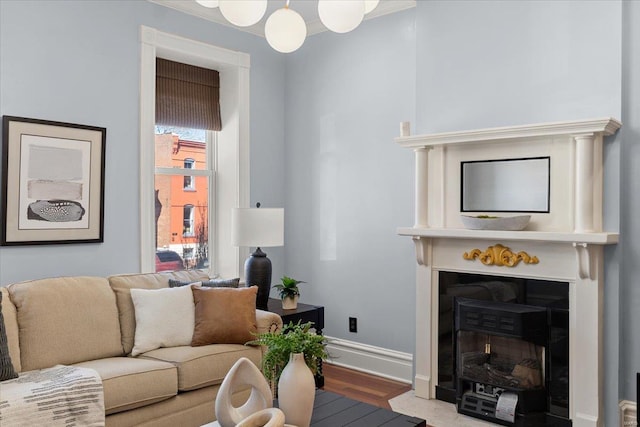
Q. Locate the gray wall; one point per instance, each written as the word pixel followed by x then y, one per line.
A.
pixel 78 62
pixel 629 310
pixel 499 63
pixel 348 185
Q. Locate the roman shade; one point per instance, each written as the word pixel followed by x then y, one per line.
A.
pixel 187 96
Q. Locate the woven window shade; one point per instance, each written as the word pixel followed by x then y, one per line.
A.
pixel 187 96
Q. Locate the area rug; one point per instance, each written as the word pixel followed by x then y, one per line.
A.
pixel 436 412
pixel 59 396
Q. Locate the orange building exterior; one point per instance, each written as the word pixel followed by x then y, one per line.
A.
pixel 181 201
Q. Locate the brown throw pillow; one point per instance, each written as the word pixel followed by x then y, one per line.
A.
pixel 224 315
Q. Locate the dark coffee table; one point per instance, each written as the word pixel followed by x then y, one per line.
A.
pixel 334 410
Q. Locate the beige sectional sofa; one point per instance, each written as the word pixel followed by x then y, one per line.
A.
pixel 90 322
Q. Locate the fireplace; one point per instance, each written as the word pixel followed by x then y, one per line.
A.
pixel 551 269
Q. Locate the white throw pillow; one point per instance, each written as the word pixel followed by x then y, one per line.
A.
pixel 164 318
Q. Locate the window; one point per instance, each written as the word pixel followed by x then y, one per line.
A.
pixel 187 221
pixel 226 155
pixel 182 215
pixel 189 181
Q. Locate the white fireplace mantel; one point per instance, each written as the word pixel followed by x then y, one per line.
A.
pixel 568 240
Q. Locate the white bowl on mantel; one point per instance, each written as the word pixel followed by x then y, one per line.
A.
pixel 510 223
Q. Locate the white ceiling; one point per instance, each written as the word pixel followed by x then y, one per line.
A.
pixel 307 8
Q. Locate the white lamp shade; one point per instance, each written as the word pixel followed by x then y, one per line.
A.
pixel 285 30
pixel 369 5
pixel 341 16
pixel 208 3
pixel 243 13
pixel 257 227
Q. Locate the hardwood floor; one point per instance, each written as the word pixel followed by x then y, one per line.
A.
pixel 362 387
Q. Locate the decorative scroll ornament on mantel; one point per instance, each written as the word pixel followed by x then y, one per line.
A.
pixel 500 256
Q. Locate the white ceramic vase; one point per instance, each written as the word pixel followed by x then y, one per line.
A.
pixel 296 391
pixel 290 303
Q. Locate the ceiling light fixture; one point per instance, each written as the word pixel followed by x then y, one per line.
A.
pixel 285 30
pixel 341 16
pixel 369 5
pixel 208 3
pixel 243 13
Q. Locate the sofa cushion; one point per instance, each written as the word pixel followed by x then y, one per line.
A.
pixel 224 315
pixel 7 371
pixel 65 320
pixel 164 318
pixel 184 410
pixel 131 382
pixel 206 365
pixel 122 285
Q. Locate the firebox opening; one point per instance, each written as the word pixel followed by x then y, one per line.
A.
pixel 500 361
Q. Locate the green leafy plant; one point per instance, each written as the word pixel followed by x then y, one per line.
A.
pixel 288 287
pixel 294 338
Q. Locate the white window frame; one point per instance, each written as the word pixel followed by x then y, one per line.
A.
pixel 229 156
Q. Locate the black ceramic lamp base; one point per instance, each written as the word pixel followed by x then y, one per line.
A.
pixel 257 271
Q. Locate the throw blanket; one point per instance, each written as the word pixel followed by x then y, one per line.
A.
pixel 59 396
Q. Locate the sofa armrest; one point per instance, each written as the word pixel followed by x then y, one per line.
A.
pixel 268 321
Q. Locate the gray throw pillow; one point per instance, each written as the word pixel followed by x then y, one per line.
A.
pixel 213 283
pixel 7 371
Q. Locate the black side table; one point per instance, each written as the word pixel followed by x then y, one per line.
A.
pixel 304 313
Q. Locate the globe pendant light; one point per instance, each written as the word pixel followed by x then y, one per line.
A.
pixel 369 5
pixel 285 30
pixel 208 3
pixel 243 13
pixel 341 16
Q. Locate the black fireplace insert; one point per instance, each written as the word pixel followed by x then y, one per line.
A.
pixel 504 348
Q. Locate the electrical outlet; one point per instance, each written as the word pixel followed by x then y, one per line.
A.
pixel 353 324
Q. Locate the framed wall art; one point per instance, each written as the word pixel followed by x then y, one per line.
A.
pixel 52 182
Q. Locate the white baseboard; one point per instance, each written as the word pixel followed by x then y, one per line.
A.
pixel 379 361
pixel 628 414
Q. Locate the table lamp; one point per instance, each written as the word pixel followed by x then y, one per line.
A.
pixel 256 227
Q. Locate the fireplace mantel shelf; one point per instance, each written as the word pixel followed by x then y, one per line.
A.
pixel 604 125
pixel 603 238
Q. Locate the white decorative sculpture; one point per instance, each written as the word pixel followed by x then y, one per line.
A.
pixel 243 373
pixel 270 417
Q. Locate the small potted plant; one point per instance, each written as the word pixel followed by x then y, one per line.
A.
pixel 294 338
pixel 289 292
